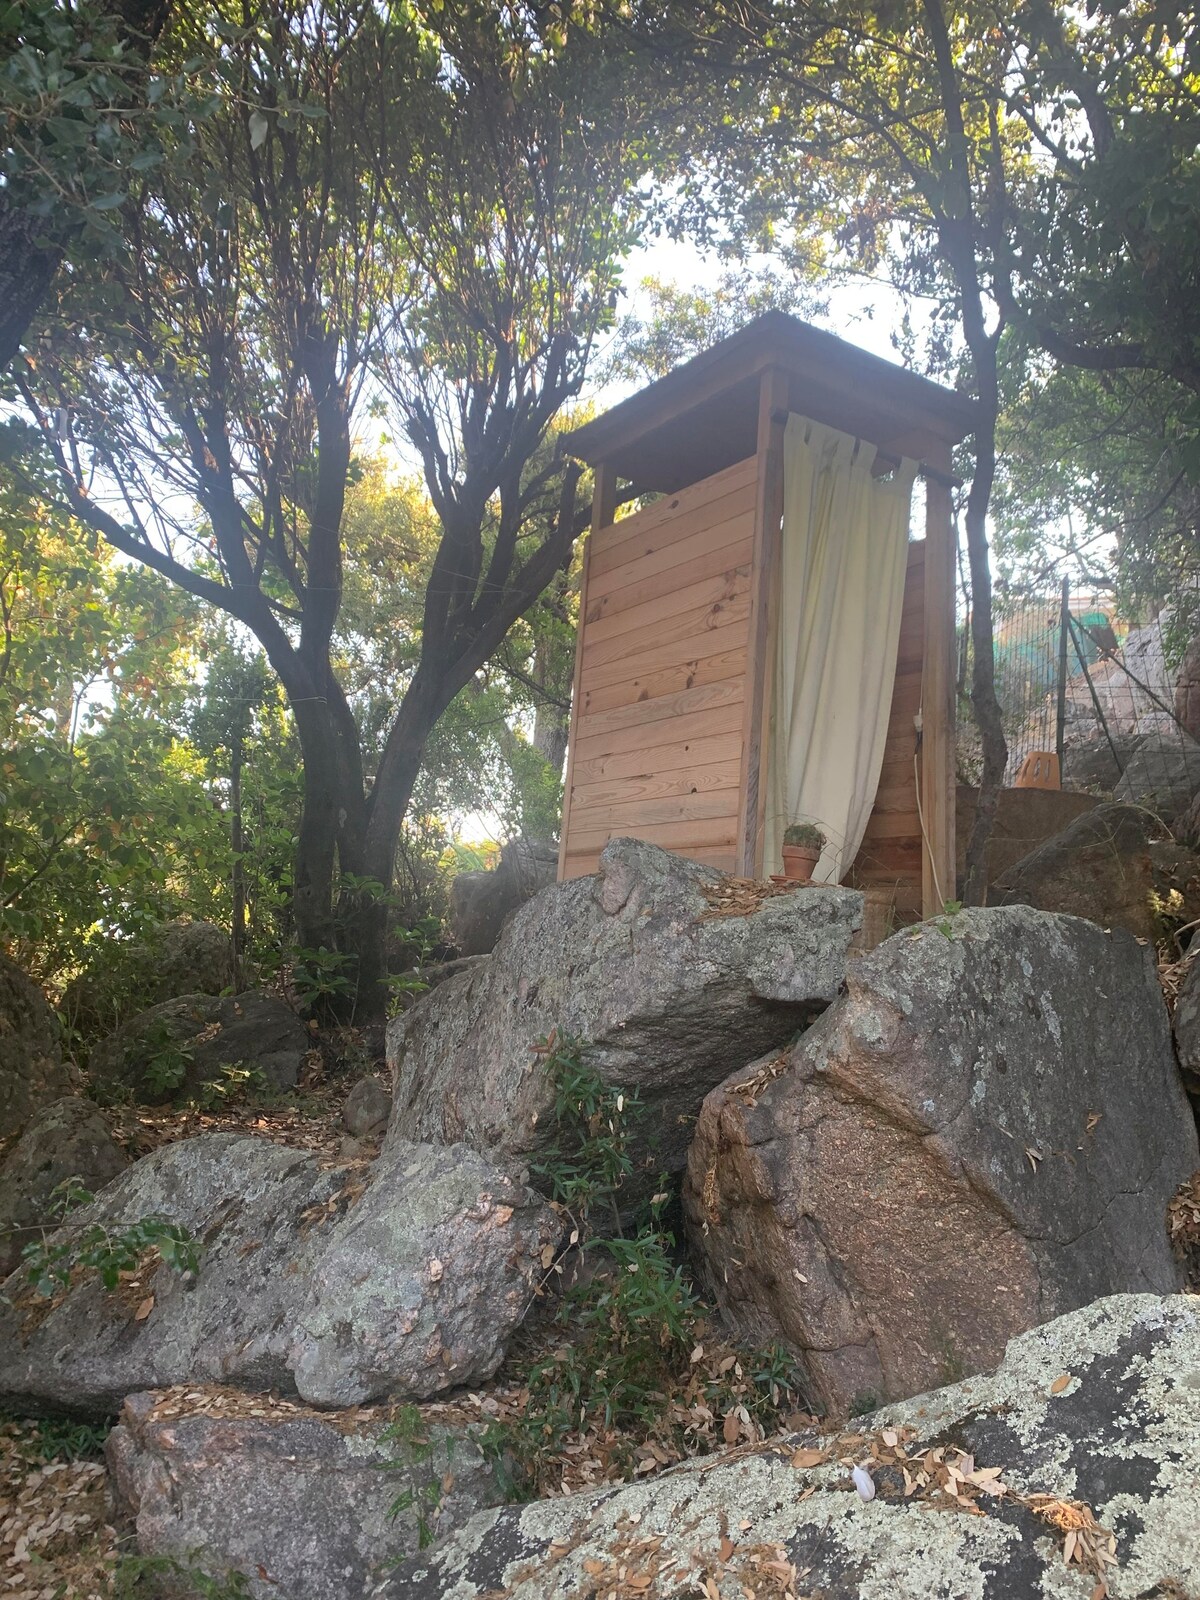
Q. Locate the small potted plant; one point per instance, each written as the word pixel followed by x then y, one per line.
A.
pixel 802 846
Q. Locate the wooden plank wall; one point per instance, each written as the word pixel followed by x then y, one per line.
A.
pixel 657 724
pixel 890 854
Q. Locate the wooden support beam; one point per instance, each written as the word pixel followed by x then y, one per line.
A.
pixel 764 614
pixel 604 508
pixel 937 695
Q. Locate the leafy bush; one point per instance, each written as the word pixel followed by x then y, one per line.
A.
pixel 632 1366
pixel 163 1578
pixel 51 1262
pixel 590 1159
pixel 167 1061
pixel 424 1475
pixel 238 1083
pixel 56 1439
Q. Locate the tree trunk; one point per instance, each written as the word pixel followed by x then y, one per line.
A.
pixel 428 695
pixel 984 703
pixel 26 273
pixel 237 934
pixel 316 842
pixel 551 725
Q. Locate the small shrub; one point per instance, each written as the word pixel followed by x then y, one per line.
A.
pixel 50 1262
pixel 56 1439
pixel 804 836
pixel 632 1365
pixel 423 1474
pixel 589 1160
pixel 237 1082
pixel 167 1062
pixel 320 976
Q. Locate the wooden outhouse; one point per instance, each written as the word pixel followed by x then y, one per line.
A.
pixel 689 634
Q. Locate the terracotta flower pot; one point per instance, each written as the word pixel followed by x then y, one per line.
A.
pixel 799 860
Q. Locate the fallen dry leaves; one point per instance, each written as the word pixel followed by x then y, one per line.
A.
pixel 55 1539
pixel 312 1120
pixel 740 897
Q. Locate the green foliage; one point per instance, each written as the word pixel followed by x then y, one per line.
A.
pixel 683 322
pixel 167 1061
pixel 163 1578
pixel 590 1159
pixel 57 1439
pixel 423 1472
pixel 632 1320
pixel 106 822
pixel 238 1083
pixel 321 974
pixel 50 1263
pixel 83 116
pixel 804 835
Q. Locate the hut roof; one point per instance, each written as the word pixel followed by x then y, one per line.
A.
pixel 703 416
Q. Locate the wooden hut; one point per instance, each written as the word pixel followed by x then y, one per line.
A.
pixel 687 632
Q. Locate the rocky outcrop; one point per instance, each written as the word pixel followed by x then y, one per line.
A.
pixel 1186 1027
pixel 176 1047
pixel 667 995
pixel 67 1139
pixel 1025 819
pixel 338 1285
pixel 480 901
pixel 173 960
pixel 984 1132
pixel 32 1071
pixel 421 1285
pixel 1109 866
pixel 1163 773
pixel 303 1506
pixel 367 1109
pixel 1094 1411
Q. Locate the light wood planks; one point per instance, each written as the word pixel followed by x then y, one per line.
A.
pixel 724 561
pixel 656 733
pixel 665 681
pixel 763 625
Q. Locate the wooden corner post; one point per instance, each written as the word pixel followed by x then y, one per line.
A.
pixel 764 616
pixel 937 694
pixel 604 509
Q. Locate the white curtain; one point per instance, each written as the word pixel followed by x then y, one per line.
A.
pixel 844 557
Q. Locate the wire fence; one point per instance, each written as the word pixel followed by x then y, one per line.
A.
pixel 1083 690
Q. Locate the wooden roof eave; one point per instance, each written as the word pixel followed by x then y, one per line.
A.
pixel 816 363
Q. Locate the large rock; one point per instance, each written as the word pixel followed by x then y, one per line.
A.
pixel 174 959
pixel 32 1072
pixel 423 1282
pixel 336 1285
pixel 480 901
pixel 982 1134
pixel 67 1139
pixel 179 1045
pixel 1025 819
pixel 667 996
pixel 1163 774
pixel 1186 1027
pixel 1100 1408
pixel 1101 867
pixel 1187 690
pixel 1093 762
pixel 367 1109
pixel 300 1504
